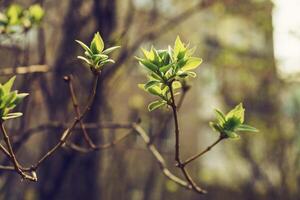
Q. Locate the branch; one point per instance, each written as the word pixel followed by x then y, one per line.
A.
pixel 24 70
pixel 66 134
pixel 192 158
pixel 177 146
pixel 98 147
pixel 160 160
pixel 11 155
pixel 69 80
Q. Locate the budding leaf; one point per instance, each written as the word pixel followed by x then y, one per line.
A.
pixel 230 124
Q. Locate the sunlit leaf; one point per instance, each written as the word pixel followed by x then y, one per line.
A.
pixel 111 49
pixel 246 128
pixel 97 44
pixel 13 13
pixel 84 46
pixel 237 112
pixel 156 104
pixel 8 85
pixel 192 63
pixel 36 12
pixel 12 115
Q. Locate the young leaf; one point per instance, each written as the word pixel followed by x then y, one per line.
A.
pixel 8 85
pixel 20 97
pixel 13 13
pixel 155 91
pixel 97 44
pixel 232 135
pixel 12 115
pixel 220 116
pixel 148 65
pixel 150 84
pixel 178 47
pixel 191 74
pixel 238 112
pixel 84 59
pixel 155 105
pixel 111 49
pixel 36 12
pixel 192 63
pixel 84 46
pixel 176 85
pixel 246 128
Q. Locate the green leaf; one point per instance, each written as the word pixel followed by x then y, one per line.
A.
pixel 246 128
pixel 107 61
pixel 232 135
pixel 13 13
pixel 191 74
pixel 164 69
pixel 150 84
pixel 111 49
pixel 36 12
pixel 12 115
pixel 20 97
pixel 178 47
pixel 215 126
pixel 148 65
pixel 192 63
pixel 84 46
pixel 238 112
pixel 84 59
pixel 155 91
pixel 176 85
pixel 97 44
pixel 8 85
pixel 100 56
pixel 155 105
pixel 149 55
pixel 220 116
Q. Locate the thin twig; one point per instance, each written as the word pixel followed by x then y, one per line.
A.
pixel 69 80
pixel 192 158
pixel 66 134
pixel 160 160
pixel 177 146
pixel 24 70
pixel 97 147
pixel 12 155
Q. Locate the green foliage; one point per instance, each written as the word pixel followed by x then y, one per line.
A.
pixel 167 69
pixel 228 125
pixel 9 100
pixel 17 19
pixel 95 55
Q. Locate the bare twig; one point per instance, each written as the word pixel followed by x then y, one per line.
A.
pixel 10 153
pixel 177 146
pixel 98 147
pixel 69 80
pixel 192 158
pixel 141 132
pixel 66 134
pixel 24 70
pixel 174 109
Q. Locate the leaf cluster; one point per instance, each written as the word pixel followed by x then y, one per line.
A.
pixel 17 19
pixel 9 100
pixel 230 124
pixel 95 55
pixel 167 69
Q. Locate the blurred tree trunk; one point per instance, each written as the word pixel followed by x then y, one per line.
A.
pixel 67 171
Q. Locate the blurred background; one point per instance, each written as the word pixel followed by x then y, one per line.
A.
pixel 251 54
